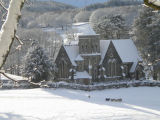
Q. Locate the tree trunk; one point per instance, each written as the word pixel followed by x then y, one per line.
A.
pixel 9 29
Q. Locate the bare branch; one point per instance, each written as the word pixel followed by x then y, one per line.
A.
pixel 2 72
pixel 35 85
pixel 17 38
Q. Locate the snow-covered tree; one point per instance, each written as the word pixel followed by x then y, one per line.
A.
pixel 37 65
pixel 146 32
pixel 147 38
pixel 111 26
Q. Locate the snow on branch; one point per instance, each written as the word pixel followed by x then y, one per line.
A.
pixel 17 38
pixel 9 28
pixel 3 73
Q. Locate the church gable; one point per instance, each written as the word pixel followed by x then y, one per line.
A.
pixel 63 63
pixel 112 61
pixel 62 55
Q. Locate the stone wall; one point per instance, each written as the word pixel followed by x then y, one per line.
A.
pixel 102 86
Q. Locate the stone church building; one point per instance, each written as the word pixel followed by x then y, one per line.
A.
pixel 92 60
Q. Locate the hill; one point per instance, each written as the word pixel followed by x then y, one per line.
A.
pixel 113 3
pixel 46 6
pixel 78 3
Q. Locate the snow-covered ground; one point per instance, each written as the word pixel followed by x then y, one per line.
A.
pixel 141 103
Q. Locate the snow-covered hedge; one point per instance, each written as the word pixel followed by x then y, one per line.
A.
pixel 102 86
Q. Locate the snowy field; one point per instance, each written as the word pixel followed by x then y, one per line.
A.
pixel 142 103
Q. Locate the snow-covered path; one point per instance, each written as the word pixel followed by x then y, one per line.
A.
pixel 141 103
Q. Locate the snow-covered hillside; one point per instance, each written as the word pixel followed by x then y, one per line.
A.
pixel 140 103
pixel 78 3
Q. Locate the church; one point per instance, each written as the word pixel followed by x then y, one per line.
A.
pixel 93 60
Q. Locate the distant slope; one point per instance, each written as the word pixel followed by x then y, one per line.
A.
pixel 113 3
pixel 79 3
pixel 46 6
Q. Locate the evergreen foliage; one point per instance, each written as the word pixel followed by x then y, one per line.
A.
pixel 37 65
pixel 111 27
pixel 113 3
pixel 146 31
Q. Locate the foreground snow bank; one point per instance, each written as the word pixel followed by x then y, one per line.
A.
pixel 140 103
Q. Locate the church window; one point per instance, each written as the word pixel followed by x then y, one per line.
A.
pixel 96 48
pixel 82 48
pixel 112 67
pixel 86 47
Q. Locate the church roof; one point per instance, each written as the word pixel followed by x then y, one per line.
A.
pixel 72 52
pixel 125 48
pixel 79 58
pixel 104 44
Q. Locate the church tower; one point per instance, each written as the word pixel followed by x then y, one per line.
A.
pixel 89 50
pixel 89 44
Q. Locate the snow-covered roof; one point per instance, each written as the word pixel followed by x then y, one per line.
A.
pixel 104 44
pixel 82 75
pixel 127 50
pixel 133 67
pixel 79 58
pixel 72 52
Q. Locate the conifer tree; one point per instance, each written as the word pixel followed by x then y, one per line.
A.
pixel 146 31
pixel 110 27
pixel 37 65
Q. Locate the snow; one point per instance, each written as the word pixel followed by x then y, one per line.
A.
pixel 76 29
pixel 104 44
pixel 81 28
pixel 127 50
pixel 84 28
pixel 82 75
pixel 134 66
pixel 140 103
pixel 15 77
pixel 79 58
pixel 156 2
pixel 91 54
pixel 72 52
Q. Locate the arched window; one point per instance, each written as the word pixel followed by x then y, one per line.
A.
pixel 86 48
pixel 82 48
pixel 112 67
pixel 62 69
pixel 92 48
pixel 96 48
